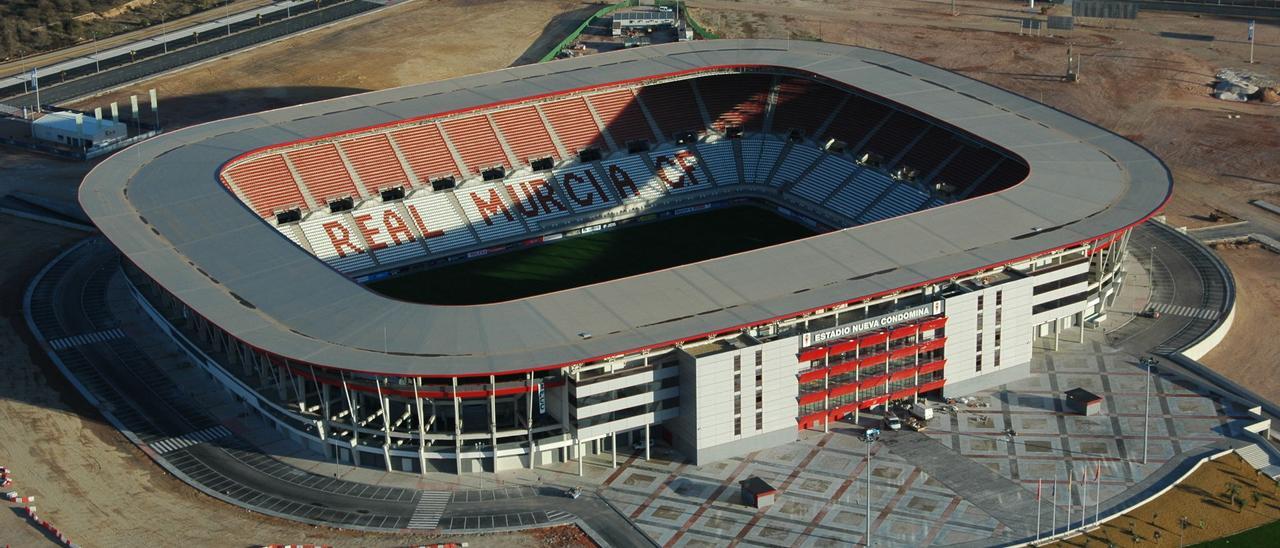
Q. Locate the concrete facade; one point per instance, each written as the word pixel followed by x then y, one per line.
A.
pixel 739 396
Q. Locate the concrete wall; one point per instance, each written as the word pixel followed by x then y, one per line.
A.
pixel 1015 302
pixel 705 429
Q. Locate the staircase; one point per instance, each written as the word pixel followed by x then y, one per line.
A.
pixel 1260 459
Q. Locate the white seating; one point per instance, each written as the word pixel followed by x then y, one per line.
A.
pixel 489 212
pixel 866 185
pixel 534 198
pixel 679 171
pixel 389 233
pixel 335 241
pixel 584 188
pixel 825 178
pixel 633 181
pixel 798 159
pixel 720 160
pixel 901 200
pixel 443 227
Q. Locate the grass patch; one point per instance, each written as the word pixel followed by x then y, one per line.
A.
pixel 596 257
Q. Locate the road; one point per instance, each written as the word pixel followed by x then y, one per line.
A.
pixel 19 66
pixel 70 300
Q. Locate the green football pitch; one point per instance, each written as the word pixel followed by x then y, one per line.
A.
pixel 595 257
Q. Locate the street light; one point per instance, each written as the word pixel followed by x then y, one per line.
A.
pixel 870 441
pixel 1146 418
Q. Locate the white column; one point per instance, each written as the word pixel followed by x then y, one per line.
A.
pixel 613 440
pixel 646 441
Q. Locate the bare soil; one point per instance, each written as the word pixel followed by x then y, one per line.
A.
pixel 415 42
pixel 1150 88
pixel 1248 353
pixel 1134 81
pixel 1202 498
pixel 89 481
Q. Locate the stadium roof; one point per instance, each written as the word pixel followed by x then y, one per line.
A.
pixel 161 204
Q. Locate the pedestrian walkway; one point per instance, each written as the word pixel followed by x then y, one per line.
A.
pixel 86 338
pixel 431 505
pixel 1183 310
pixel 188 440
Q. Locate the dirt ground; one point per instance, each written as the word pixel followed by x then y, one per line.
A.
pixel 1202 498
pixel 91 483
pixel 88 480
pixel 1249 353
pixel 1151 88
pixel 415 42
pixel 1134 81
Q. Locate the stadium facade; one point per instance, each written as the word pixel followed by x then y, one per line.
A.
pixel 958 224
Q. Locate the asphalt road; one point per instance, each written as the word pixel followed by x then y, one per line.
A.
pixel 71 300
pixel 18 66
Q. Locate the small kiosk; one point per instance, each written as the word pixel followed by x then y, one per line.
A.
pixel 756 493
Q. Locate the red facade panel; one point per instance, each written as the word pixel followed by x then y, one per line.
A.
pixel 930 386
pixel 813 375
pixel 932 366
pixel 936 323
pixel 813 397
pixel 812 354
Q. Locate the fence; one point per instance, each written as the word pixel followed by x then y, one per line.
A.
pixel 182 56
pixel 697 29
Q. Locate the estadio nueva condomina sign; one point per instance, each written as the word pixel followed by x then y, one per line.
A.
pixel 870 324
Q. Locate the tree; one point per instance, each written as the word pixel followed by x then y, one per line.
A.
pixel 1232 492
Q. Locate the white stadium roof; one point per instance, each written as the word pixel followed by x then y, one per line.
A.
pixel 161 204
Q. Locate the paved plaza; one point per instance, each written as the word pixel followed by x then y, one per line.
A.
pixel 963 481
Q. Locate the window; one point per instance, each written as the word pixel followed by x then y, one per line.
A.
pixel 737 405
pixel 759 358
pixel 737 426
pixel 999 297
pixel 979 321
pixel 737 383
pixel 997 343
pixel 737 364
pixel 996 357
pixel 759 378
pixel 977 362
pixel 980 302
pixel 998 310
pixel 759 400
pixel 759 420
pixel 978 345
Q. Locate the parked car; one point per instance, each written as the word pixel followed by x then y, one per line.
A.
pixel 892 422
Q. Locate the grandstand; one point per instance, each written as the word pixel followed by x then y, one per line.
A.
pixel 613 137
pixel 953 224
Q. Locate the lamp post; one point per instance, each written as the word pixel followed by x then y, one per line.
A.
pixel 1146 417
pixel 870 441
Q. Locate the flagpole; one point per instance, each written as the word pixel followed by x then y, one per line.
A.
pixel 1097 491
pixel 1038 482
pixel 1054 530
pixel 1071 479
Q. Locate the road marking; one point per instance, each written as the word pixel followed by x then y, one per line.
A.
pixel 187 440
pixel 86 338
pixel 431 505
pixel 1183 310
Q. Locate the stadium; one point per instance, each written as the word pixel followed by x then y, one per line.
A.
pixel 714 244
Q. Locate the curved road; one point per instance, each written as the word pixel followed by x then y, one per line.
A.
pixel 67 310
